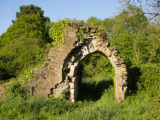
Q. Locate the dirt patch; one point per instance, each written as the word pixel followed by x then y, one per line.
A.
pixel 3 86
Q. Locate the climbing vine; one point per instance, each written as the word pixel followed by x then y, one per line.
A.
pixel 57 32
pixel 86 33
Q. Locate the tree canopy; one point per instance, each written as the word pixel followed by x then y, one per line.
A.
pixel 24 41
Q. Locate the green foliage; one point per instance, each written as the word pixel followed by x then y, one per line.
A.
pixel 92 88
pixel 16 90
pixel 153 36
pixel 142 105
pixel 93 21
pixel 30 10
pixel 129 21
pixel 136 39
pixel 96 63
pixel 80 36
pixel 29 26
pixel 19 55
pixel 129 37
pixel 18 108
pixel 23 44
pixel 26 76
pixel 150 77
pixel 97 74
pixel 105 24
pixel 57 32
pixel 19 105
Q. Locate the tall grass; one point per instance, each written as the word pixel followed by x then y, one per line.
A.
pixel 97 104
pixel 140 107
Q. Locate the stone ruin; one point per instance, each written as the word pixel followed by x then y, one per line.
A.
pixel 59 74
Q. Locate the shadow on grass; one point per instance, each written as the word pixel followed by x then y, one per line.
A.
pixel 92 91
pixel 133 77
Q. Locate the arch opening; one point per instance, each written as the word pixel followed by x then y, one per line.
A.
pixel 95 75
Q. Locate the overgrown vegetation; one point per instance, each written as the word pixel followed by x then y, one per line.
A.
pixel 95 64
pixel 57 32
pixel 25 43
pixel 96 74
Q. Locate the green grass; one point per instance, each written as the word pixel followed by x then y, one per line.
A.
pixel 97 103
pixel 142 106
pixel 92 88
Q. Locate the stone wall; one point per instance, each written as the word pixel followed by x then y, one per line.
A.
pixel 59 74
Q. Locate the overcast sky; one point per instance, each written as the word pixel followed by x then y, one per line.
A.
pixel 59 9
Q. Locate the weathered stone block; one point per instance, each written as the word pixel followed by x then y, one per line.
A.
pixel 72 85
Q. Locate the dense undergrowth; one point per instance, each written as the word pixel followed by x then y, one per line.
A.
pixel 143 105
pixel 25 44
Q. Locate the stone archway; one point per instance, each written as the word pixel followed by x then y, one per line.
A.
pixel 79 53
pixel 58 74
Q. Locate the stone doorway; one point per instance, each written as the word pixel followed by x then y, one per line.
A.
pixel 79 53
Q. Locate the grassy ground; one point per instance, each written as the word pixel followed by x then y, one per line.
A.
pixel 143 106
pixel 97 104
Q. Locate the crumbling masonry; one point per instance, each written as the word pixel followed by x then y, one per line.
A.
pixel 59 74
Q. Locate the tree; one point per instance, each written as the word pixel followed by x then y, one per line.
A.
pixel 29 10
pixel 93 21
pixel 130 21
pixel 24 42
pixel 152 6
pixel 130 36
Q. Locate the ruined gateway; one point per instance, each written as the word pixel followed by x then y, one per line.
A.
pixel 59 74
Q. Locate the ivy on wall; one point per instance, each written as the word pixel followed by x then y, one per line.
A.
pixel 57 32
